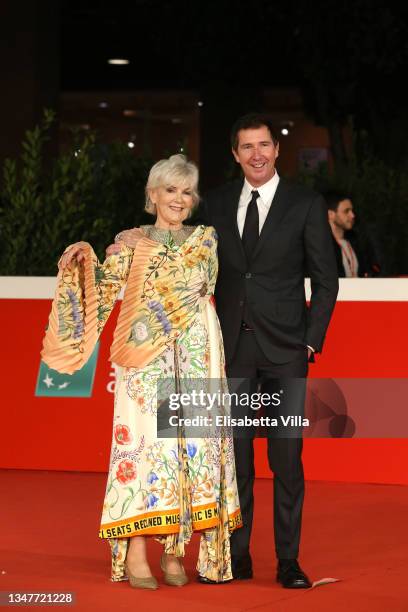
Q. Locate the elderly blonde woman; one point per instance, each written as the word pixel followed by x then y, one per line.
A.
pixel 167 327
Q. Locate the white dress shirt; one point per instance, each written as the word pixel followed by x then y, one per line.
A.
pixel 349 258
pixel 266 195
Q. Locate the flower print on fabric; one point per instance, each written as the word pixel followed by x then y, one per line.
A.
pixel 172 290
pixel 126 471
pixel 122 434
pixel 86 292
pixel 191 449
pixel 76 315
pixel 161 316
pixel 151 500
pixel 152 477
pixel 139 332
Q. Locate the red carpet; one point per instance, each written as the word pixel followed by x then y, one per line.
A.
pixel 355 532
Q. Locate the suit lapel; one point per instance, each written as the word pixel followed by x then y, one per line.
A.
pixel 276 211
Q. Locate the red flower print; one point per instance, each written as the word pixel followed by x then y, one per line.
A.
pixel 126 471
pixel 122 434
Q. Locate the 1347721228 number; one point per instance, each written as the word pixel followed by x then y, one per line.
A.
pixel 21 598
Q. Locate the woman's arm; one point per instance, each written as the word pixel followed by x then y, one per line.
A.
pixel 85 296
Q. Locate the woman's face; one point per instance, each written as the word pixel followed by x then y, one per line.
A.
pixel 173 204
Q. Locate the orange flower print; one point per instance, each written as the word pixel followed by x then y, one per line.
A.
pixel 122 434
pixel 126 471
pixel 169 304
pixel 162 288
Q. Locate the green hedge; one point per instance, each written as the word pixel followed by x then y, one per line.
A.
pixel 93 191
pixel 89 193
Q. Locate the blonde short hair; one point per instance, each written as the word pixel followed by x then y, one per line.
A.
pixel 166 172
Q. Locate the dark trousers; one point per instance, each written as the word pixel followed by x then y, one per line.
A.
pixel 284 453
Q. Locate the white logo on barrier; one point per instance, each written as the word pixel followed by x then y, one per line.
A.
pixel 110 387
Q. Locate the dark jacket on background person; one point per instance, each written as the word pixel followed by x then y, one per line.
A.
pixel 367 267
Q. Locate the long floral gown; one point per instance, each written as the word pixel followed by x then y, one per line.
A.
pixel 167 330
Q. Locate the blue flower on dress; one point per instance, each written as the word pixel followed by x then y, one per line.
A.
pixel 152 500
pixel 165 323
pixel 215 235
pixel 76 315
pixel 166 327
pixel 191 449
pixel 152 477
pixel 207 243
pixel 155 306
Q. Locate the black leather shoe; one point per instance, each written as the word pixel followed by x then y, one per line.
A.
pixel 205 580
pixel 291 576
pixel 242 568
pixel 242 574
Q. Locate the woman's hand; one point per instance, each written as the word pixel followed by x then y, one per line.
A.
pixel 113 249
pixel 76 251
pixel 129 238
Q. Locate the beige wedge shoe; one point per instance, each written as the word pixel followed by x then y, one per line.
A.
pixel 179 579
pixel 141 583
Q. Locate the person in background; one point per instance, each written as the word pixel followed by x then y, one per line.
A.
pixel 352 260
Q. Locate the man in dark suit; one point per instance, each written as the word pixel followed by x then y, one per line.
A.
pixel 269 232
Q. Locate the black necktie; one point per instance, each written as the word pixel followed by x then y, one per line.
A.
pixel 250 233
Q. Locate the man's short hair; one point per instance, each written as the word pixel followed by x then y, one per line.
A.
pixel 252 121
pixel 333 199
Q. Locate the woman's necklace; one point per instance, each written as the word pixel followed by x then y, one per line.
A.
pixel 164 236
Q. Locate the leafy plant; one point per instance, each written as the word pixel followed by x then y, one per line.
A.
pixel 89 193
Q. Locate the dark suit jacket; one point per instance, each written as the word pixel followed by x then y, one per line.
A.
pixel 296 235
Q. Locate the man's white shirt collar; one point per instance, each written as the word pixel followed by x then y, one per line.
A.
pixel 266 191
pixel 266 195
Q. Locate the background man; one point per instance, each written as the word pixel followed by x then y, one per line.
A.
pixel 351 259
pixel 269 232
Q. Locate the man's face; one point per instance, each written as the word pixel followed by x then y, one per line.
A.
pixel 256 153
pixel 344 216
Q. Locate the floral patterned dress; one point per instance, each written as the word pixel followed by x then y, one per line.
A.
pixel 167 330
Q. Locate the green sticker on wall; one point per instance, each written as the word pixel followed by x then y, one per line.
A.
pixel 51 383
